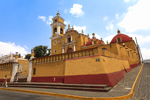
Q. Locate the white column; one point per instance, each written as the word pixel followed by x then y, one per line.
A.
pixel 30 71
pixel 14 71
pixel 52 31
pixel 58 30
pixel 62 50
pixel 71 37
pixel 74 47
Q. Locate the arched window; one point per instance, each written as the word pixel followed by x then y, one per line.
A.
pixel 118 40
pixel 55 20
pixel 55 30
pixel 61 31
pixel 94 42
pixel 69 39
pixel 104 49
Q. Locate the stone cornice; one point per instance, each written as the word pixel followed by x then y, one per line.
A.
pixel 58 17
pixel 57 36
pixel 57 24
pixel 70 43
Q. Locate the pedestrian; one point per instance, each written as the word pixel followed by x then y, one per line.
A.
pixel 5 81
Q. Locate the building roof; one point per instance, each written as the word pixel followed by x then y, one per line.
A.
pixel 124 38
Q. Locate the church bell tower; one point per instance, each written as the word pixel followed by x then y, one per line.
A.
pixel 58 30
pixel 58 26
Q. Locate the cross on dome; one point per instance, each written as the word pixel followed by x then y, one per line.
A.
pixel 93 35
pixel 118 31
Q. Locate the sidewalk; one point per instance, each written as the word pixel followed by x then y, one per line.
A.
pixel 121 89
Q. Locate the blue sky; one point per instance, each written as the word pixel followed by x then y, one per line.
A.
pixel 24 24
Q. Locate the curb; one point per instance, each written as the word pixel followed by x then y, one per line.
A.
pixel 80 97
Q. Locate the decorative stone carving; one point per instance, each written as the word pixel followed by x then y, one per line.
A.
pixel 59 41
pixel 74 38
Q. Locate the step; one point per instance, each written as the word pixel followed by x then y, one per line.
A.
pixel 69 88
pixel 22 80
pixel 64 85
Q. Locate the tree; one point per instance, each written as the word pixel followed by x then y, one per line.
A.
pixel 40 51
pixel 28 56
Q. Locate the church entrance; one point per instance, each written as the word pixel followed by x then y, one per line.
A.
pixel 69 50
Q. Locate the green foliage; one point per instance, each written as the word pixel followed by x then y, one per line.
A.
pixel 40 51
pixel 28 56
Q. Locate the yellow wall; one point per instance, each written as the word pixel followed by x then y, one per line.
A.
pixel 116 66
pixel 6 69
pixel 84 66
pixel 25 67
pixel 49 69
pixel 89 65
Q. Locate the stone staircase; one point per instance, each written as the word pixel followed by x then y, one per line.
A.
pixel 83 87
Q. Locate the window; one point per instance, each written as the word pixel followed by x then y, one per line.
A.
pixel 34 70
pixel 55 20
pixel 128 54
pixel 132 55
pixel 104 49
pixel 118 40
pixel 94 42
pixel 69 39
pixel 55 30
pixel 54 50
pixel 61 31
pixel 97 59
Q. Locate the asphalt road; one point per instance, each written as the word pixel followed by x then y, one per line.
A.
pixel 13 95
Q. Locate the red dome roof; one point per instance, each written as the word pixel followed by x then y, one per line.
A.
pixel 124 38
pixel 90 42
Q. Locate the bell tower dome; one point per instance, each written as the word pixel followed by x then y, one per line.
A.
pixel 58 26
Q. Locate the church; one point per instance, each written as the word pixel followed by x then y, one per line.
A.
pixel 78 59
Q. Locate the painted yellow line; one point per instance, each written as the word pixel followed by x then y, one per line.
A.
pixel 80 97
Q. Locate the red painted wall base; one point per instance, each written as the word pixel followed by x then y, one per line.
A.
pixel 110 79
pixel 58 79
pixel 2 80
pixel 134 65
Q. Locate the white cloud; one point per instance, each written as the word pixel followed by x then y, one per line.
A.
pixel 42 17
pixel 66 22
pixel 137 17
pixel 108 38
pixel 126 0
pixel 25 46
pixel 50 18
pixel 61 2
pixel 48 22
pixel 105 18
pixel 6 48
pixel 145 53
pixel 76 10
pixel 110 26
pixel 80 28
pixel 65 11
pixel 116 16
pixel 140 39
